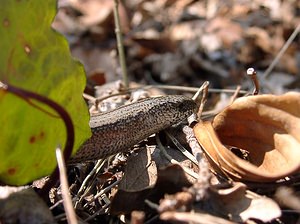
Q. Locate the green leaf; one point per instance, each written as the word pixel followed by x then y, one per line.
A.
pixel 36 58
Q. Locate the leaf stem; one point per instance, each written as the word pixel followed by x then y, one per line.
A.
pixel 28 96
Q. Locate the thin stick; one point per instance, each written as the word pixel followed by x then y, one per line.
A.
pixel 174 161
pixel 167 87
pixel 192 89
pixel 204 87
pixel 235 95
pixel 103 191
pixel 252 74
pixel 203 100
pixel 181 148
pixel 120 44
pixel 97 213
pixel 83 187
pixel 67 201
pixel 281 52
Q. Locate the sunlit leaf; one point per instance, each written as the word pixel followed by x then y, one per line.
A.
pixel 35 57
pixel 266 128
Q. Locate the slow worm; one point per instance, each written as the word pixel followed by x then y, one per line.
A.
pixel 118 130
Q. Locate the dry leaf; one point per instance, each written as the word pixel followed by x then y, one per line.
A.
pixel 288 197
pixel 243 205
pixel 227 31
pixel 169 181
pixel 140 172
pixel 185 31
pixel 142 168
pixel 97 61
pixel 266 128
pixel 261 38
pixel 196 218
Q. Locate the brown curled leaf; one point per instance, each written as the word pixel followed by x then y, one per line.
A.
pixel 266 127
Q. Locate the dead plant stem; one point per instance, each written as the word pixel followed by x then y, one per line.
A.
pixel 281 52
pixel 120 43
pixel 67 201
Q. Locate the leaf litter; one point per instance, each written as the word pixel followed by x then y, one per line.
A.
pixel 186 43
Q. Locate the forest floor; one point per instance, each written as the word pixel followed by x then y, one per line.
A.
pixel 184 43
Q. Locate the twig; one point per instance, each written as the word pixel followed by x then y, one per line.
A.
pixel 67 202
pixel 89 97
pixel 202 88
pixel 120 44
pixel 96 213
pixel 203 100
pixel 235 95
pixel 181 148
pixel 173 161
pixel 103 191
pixel 213 112
pixel 166 87
pixel 252 74
pixel 281 52
pixel 192 89
pixel 193 143
pixel 152 204
pixel 80 193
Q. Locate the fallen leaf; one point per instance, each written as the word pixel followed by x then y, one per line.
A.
pixel 227 31
pixel 243 205
pixel 140 172
pixel 261 38
pixel 185 31
pixel 266 127
pixel 169 181
pixel 97 60
pixel 197 218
